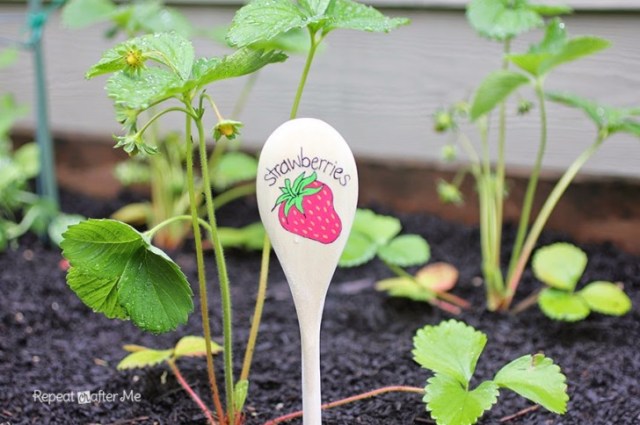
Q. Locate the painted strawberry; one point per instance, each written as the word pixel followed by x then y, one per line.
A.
pixel 306 209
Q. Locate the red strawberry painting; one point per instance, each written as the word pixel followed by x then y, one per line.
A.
pixel 306 209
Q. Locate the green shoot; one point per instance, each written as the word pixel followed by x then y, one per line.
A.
pixel 560 266
pixel 451 351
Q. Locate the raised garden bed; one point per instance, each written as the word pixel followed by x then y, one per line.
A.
pixel 52 343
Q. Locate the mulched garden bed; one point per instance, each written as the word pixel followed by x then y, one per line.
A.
pixel 51 342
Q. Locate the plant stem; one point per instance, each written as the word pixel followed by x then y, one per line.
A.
pixel 257 313
pixel 527 205
pixel 234 193
pixel 223 276
pixel 191 392
pixel 526 303
pixel 337 403
pixel 305 73
pixel 151 232
pixel 500 168
pixel 544 214
pixel 202 279
pixel 165 111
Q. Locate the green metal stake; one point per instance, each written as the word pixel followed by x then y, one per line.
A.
pixel 46 182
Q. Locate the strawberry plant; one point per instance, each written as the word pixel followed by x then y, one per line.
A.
pixel 560 267
pixel 115 269
pixel 451 351
pixel 503 22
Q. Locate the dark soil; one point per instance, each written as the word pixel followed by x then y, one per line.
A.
pixel 51 342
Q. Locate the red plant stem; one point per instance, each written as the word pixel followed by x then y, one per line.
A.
pixel 520 413
pixel 363 396
pixel 445 306
pixel 454 299
pixel 191 392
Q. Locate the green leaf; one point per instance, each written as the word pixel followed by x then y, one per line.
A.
pixel 84 13
pixel 561 305
pixel 127 273
pixel 194 346
pixel 261 20
pixel 405 251
pixel 27 158
pixel 501 19
pixel 550 9
pixel 138 92
pixel 242 62
pixel 132 172
pixel 348 14
pixel 538 379
pixel 315 7
pixel 359 250
pixel 450 348
pixel 606 298
pixel 404 287
pixel 494 90
pixel 451 404
pixel 559 265
pixel 98 292
pixel 378 228
pixel 240 391
pixel 605 117
pixel 10 112
pixel 144 358
pixel 249 237
pixel 555 49
pixel 167 19
pixel 234 167
pixel 170 49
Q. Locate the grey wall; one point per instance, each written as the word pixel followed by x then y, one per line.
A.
pixel 378 90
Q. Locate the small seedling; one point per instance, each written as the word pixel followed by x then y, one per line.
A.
pixel 430 284
pixel 560 266
pixel 377 235
pixel 503 22
pixel 451 351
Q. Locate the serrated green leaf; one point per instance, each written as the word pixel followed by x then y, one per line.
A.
pixel 234 167
pixel 138 92
pixel 315 7
pixel 451 404
pixel 170 49
pixel 359 250
pixel 261 20
pixel 167 19
pixel 112 257
pixel 559 265
pixel 240 391
pixel 377 227
pixel 605 117
pixel 606 298
pixel 242 62
pixel 348 14
pixel 450 348
pixel 405 251
pixel 84 13
pixel 144 358
pixel 501 19
pixel 97 292
pixel 538 379
pixel 249 237
pixel 194 346
pixel 555 49
pixel 561 305
pixel 493 90
pixel 27 159
pixel 404 287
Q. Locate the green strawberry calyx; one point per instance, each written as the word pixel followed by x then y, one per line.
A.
pixel 293 194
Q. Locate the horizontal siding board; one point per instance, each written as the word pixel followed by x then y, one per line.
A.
pixel 379 90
